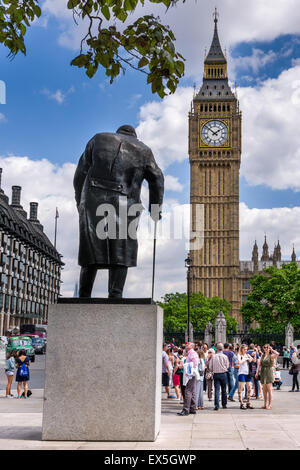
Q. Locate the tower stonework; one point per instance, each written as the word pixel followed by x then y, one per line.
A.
pixel 215 156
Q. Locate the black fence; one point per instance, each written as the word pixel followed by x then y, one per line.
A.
pixel 277 340
pixel 179 337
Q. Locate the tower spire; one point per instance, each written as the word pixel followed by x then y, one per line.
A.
pixel 215 54
pixel 294 254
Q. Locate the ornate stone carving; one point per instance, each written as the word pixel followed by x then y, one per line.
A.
pixel 220 328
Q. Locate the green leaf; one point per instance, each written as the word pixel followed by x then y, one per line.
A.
pixel 105 12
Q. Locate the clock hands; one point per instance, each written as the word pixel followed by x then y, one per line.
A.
pixel 214 133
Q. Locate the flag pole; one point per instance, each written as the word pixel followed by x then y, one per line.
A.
pixel 55 232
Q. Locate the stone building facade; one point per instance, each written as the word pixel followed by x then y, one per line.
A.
pixel 215 146
pixel 30 267
pixel 258 264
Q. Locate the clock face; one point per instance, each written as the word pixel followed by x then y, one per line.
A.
pixel 214 133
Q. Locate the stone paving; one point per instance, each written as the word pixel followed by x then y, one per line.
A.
pixel 276 429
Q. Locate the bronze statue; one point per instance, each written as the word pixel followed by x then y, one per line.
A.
pixel 107 183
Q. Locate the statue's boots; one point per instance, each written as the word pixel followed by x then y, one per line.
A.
pixel 116 281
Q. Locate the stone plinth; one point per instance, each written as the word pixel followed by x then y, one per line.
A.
pixel 103 372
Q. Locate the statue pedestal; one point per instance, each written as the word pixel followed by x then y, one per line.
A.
pixel 103 371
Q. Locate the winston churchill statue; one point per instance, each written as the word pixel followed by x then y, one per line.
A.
pixel 107 184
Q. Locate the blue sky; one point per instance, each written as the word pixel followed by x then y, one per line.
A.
pixel 37 126
pixel 53 109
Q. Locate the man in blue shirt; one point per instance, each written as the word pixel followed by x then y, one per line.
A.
pixel 230 355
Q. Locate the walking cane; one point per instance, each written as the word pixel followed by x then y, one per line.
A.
pixel 154 254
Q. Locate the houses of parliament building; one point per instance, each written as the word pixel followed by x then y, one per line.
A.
pixel 215 146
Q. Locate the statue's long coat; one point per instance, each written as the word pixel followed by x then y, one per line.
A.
pixel 112 166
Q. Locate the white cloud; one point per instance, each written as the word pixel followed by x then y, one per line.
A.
pixel 164 126
pixel 278 223
pixel 254 62
pixel 271 138
pixel 2 118
pixel 58 95
pixel 172 183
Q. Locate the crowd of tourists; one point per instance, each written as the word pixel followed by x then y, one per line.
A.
pixel 226 372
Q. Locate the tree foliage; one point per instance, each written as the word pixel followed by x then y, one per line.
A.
pixel 202 311
pixel 275 298
pixel 145 45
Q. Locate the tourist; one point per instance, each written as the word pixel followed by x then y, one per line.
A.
pixel 22 377
pixel 264 368
pixel 205 350
pixel 244 376
pixel 209 376
pixel 171 367
pixel 295 368
pixel 230 380
pixel 219 364
pixel 199 383
pixel 182 360
pixel 165 370
pixel 235 372
pixel 253 368
pixel 176 377
pixel 291 352
pixel 277 379
pixel 10 366
pixel 189 406
pixel 286 357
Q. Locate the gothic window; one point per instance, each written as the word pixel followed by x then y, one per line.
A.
pixel 215 108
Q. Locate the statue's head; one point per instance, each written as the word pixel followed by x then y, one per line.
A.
pixel 126 130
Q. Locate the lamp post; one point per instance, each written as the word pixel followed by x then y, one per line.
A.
pixel 188 264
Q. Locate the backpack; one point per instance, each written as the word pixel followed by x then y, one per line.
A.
pixel 23 372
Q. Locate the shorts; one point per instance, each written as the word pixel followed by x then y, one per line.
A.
pixel 9 373
pixel 165 379
pixel 176 380
pixel 244 378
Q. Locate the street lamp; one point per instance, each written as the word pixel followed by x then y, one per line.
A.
pixel 188 263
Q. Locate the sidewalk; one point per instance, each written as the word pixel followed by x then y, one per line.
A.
pixel 231 429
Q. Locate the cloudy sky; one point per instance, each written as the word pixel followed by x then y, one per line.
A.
pixel 52 110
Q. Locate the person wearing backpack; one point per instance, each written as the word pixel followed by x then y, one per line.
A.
pixel 22 377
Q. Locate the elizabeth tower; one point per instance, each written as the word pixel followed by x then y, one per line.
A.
pixel 215 156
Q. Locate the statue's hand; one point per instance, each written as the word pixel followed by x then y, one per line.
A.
pixel 156 215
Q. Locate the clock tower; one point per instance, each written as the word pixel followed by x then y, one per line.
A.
pixel 215 156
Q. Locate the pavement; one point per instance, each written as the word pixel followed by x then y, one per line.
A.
pixel 231 429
